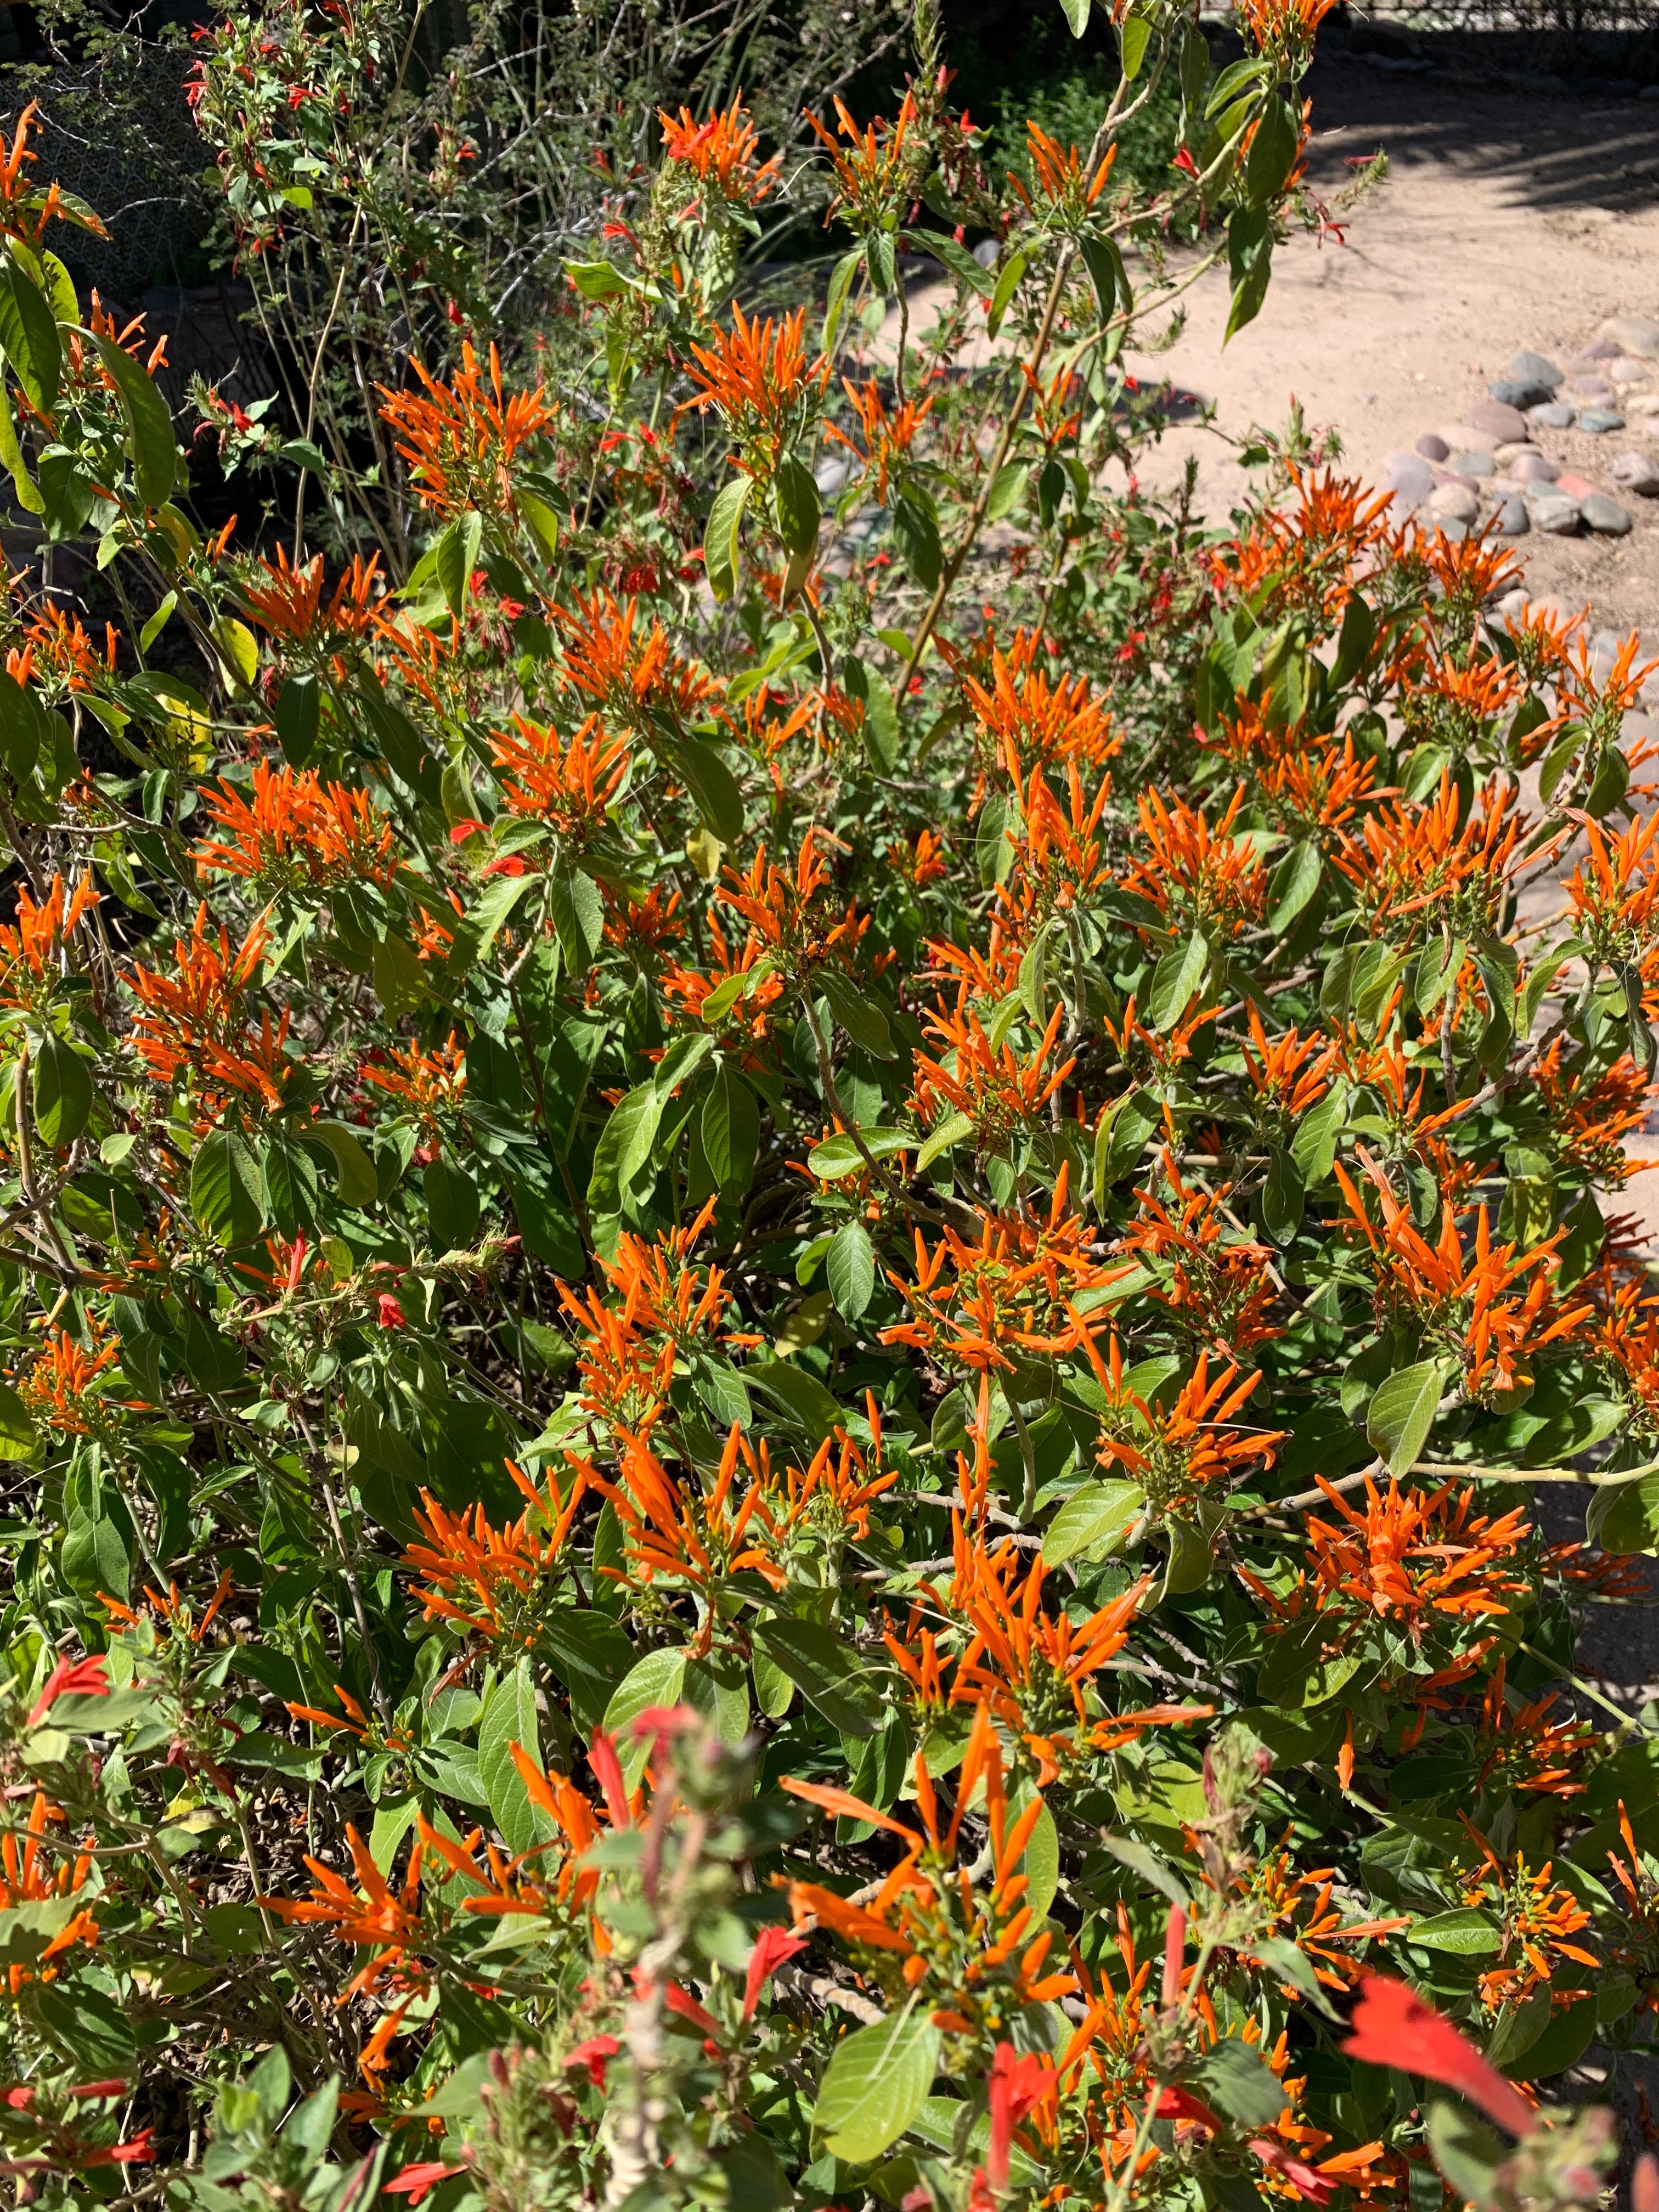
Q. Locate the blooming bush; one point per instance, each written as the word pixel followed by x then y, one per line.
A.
pixel 793 1230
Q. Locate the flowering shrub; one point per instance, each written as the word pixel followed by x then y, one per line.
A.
pixel 784 1288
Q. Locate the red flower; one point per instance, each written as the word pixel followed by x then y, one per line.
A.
pixel 83 1678
pixel 1316 2187
pixel 1017 2084
pixel 389 1313
pixel 772 1947
pixel 595 2054
pixel 1391 2026
pixel 415 2180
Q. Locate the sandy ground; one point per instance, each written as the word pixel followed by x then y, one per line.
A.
pixel 1508 219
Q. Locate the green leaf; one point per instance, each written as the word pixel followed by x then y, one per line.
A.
pixel 625 1146
pixel 1313 1148
pixel 713 788
pixel 544 522
pixel 1092 1524
pixel 1467 2151
pixel 1134 35
pixel 226 1194
pixel 829 1676
pixel 355 1179
pixel 589 1654
pixel 720 538
pixel 485 919
pixel 915 532
pixel 1624 1516
pixel 298 716
pixel 849 1267
pixel 509 1718
pixel 949 1132
pixel 799 511
pixel 798 1394
pixel 655 1679
pixel 730 1130
pixel 1283 1196
pixel 456 557
pixel 1149 1866
pixel 1076 13
pixel 578 912
pixel 1272 151
pixel 1239 2080
pixel 1175 978
pixel 862 1019
pixel 18 1437
pixel 63 1090
pixel 95 1557
pixel 29 331
pixel 1121 1139
pixel 150 425
pixel 846 269
pixel 1465 1931
pixel 1402 1414
pixel 1294 882
pixel 1008 278
pixel 1009 489
pixel 959 260
pixel 839 1156
pixel 874 2085
pixel 11 456
pixel 452 1205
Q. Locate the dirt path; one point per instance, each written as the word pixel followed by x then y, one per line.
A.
pixel 1510 218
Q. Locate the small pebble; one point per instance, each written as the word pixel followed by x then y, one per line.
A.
pixel 1600 420
pixel 1554 513
pixel 1590 387
pixel 1506 456
pixel 1521 391
pixel 1474 465
pixel 1502 421
pixel 1464 437
pixel 1627 370
pixel 1635 334
pixel 1605 515
pixel 1510 517
pixel 1452 528
pixel 1642 402
pixel 1410 480
pixel 1536 366
pixel 1532 467
pixel 1636 472
pixel 1554 415
pixel 1432 449
pixel 1454 502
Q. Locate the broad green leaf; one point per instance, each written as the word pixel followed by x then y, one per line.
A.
pixel 1076 13
pixel 1467 2151
pixel 799 512
pixel 452 1205
pixel 484 920
pixel 1134 35
pixel 863 1020
pixel 625 1146
pixel 1464 1930
pixel 846 269
pixel 1294 882
pixel 1240 2081
pixel 839 1156
pixel 828 1675
pixel 578 912
pixel 720 538
pixel 509 1718
pixel 18 1436
pixel 544 522
pixel 63 1090
pixel 299 714
pixel 1177 977
pixel 457 556
pixel 357 1182
pixel 1093 1523
pixel 800 1395
pixel 1402 1414
pixel 1009 489
pixel 155 454
pixel 29 331
pixel 949 1132
pixel 226 1194
pixel 874 2085
pixel 849 1267
pixel 730 1128
pixel 1008 278
pixel 655 1679
pixel 1273 150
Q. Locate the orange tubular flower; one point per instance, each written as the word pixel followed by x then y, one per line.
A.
pixel 833 1497
pixel 1026 722
pixel 1198 877
pixel 1192 1452
pixel 1408 1557
pixel 1461 1301
pixel 928 1929
pixel 1286 1085
pixel 386 1923
pixel 745 1021
pixel 1589 1115
pixel 785 913
pixel 461 438
pixel 1300 1906
pixel 997 1091
pixel 1216 1282
pixel 33 945
pixel 25 211
pixel 758 378
pixel 488 1582
pixel 514 1885
pixel 568 785
pixel 294 832
pixel 971 1303
pixel 197 1022
pixel 1309 555
pixel 60 1386
pixel 1614 896
pixel 430 1084
pixel 719 153
pixel 24 1880
pixel 669 1308
pixel 869 166
pixel 1521 1749
pixel 625 676
pixel 288 602
pixel 1538 1920
pixel 887 438
pixel 1057 173
pixel 1416 862
pixel 689 1537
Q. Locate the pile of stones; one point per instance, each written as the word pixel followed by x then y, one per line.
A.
pixel 1490 471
